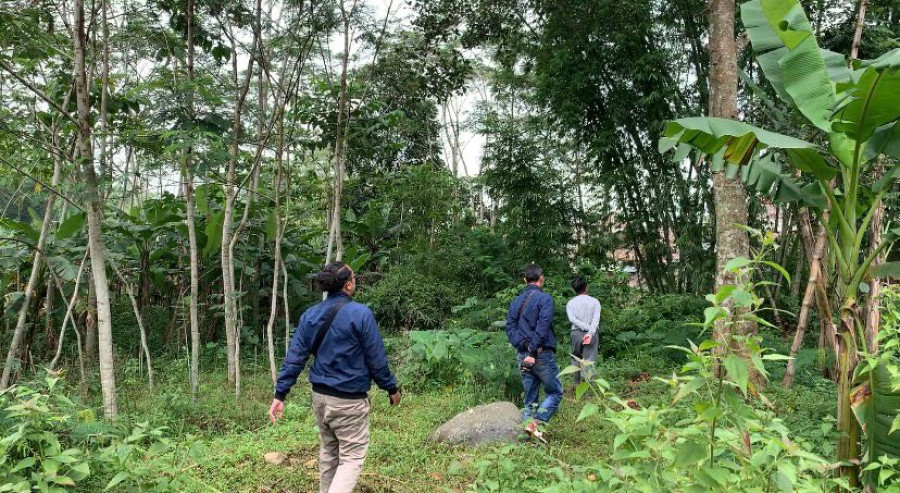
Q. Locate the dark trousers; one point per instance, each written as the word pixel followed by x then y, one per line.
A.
pixel 586 353
pixel 544 373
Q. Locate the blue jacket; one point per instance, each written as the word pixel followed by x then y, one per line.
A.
pixel 350 357
pixel 534 329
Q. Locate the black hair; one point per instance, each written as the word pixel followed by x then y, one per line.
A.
pixel 579 285
pixel 532 273
pixel 333 277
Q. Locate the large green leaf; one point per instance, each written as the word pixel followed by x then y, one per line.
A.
pixel 22 227
pixel 213 234
pixel 885 140
pixel 803 69
pixel 810 161
pixel 73 224
pixel 739 141
pixel 873 102
pixel 875 404
pixel 770 49
pixel 886 270
pixel 768 178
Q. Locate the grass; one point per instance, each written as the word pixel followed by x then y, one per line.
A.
pixel 401 457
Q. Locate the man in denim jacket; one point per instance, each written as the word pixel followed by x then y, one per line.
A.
pixel 348 353
pixel 530 330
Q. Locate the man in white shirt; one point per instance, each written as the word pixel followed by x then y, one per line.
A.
pixel 584 315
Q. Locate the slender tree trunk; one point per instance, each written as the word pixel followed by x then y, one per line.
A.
pixel 19 331
pixel 335 238
pixel 129 290
pixel 48 314
pixel 873 302
pixel 729 194
pixel 809 296
pixel 90 322
pixel 188 174
pixel 858 29
pixel 276 269
pixel 228 285
pixel 287 308
pixel 94 210
pixel 68 316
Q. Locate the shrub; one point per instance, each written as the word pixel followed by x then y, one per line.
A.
pixel 448 358
pixel 408 300
pixel 49 443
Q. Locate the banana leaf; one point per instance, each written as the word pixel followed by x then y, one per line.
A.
pixel 739 141
pixel 875 403
pixel 801 73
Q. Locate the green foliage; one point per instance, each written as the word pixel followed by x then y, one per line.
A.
pixel 49 444
pixel 464 356
pixel 34 423
pixel 876 401
pixel 716 433
pixel 650 323
pixel 408 300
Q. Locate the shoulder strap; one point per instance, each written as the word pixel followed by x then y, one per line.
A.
pixel 522 306
pixel 329 319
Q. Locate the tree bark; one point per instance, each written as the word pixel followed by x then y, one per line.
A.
pixel 129 290
pixel 729 194
pixel 188 174
pixel 228 285
pixel 94 210
pixel 809 296
pixel 335 238
pixel 858 29
pixel 62 331
pixel 276 268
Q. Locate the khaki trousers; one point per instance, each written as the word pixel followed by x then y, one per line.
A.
pixel 343 441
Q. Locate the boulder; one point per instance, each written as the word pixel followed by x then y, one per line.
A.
pixel 496 422
pixel 275 458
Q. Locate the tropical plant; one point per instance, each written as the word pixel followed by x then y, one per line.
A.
pixel 718 432
pixel 876 400
pixel 855 110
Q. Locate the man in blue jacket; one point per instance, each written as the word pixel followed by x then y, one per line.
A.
pixel 343 338
pixel 530 330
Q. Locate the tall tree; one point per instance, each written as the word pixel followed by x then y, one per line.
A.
pixel 94 210
pixel 730 195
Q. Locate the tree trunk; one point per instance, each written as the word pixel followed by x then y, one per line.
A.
pixel 49 332
pixel 335 238
pixel 228 287
pixel 19 331
pixel 94 210
pixel 729 194
pixel 809 296
pixel 188 174
pixel 90 322
pixel 129 290
pixel 69 306
pixel 873 302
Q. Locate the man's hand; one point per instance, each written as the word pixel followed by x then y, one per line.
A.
pixel 395 398
pixel 586 341
pixel 528 361
pixel 276 410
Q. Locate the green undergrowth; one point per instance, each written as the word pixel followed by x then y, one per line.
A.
pixel 401 457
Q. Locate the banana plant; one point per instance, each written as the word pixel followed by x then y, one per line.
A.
pixel 850 110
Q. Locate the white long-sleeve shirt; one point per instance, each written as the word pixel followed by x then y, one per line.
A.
pixel 584 313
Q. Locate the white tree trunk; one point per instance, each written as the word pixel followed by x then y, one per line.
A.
pixel 94 210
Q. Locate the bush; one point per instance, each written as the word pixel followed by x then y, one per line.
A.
pixel 407 300
pixel 49 443
pixel 652 323
pixel 448 358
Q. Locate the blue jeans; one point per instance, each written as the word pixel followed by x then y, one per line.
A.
pixel 545 372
